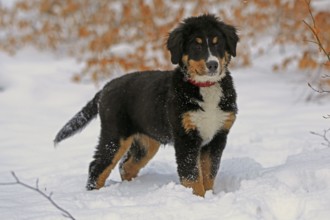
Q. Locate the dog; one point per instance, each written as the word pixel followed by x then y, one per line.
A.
pixel 192 107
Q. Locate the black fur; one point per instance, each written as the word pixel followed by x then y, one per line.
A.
pixel 80 120
pixel 152 103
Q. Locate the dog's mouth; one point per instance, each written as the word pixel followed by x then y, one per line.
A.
pixel 209 77
pixel 202 71
pixel 204 75
pixel 213 73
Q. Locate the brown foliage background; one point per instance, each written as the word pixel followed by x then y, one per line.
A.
pixel 130 35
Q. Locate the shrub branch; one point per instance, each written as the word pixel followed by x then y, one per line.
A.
pixel 65 213
pixel 315 31
pixel 321 90
pixel 324 136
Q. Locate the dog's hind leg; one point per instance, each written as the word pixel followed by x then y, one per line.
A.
pixel 142 151
pixel 107 155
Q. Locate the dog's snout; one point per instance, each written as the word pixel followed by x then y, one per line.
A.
pixel 212 65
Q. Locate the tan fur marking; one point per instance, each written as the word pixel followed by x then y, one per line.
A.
pixel 223 62
pixel 196 67
pixel 197 186
pixel 229 121
pixel 227 57
pixel 129 171
pixel 185 59
pixel 215 40
pixel 187 123
pixel 199 40
pixel 124 145
pixel 206 164
pixel 131 168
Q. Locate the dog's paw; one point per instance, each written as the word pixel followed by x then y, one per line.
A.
pixel 91 184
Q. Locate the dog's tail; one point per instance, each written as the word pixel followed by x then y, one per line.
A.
pixel 80 120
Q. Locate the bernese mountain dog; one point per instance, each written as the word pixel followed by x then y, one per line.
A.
pixel 192 107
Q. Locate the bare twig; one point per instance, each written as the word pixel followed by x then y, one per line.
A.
pixel 315 33
pixel 65 213
pixel 313 42
pixel 325 76
pixel 314 30
pixel 321 90
pixel 326 117
pixel 324 136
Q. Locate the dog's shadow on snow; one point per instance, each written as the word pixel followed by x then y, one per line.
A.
pixel 232 173
pixel 146 182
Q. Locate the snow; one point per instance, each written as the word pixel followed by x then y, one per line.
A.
pixel 272 168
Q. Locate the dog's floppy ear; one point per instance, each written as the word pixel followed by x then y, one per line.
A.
pixel 175 44
pixel 231 38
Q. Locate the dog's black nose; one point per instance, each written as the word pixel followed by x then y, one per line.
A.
pixel 212 65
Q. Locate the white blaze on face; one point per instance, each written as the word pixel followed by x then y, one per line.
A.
pixel 212 57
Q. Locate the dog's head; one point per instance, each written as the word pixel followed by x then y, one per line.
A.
pixel 203 46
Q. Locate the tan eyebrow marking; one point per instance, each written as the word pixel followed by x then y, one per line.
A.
pixel 199 40
pixel 215 40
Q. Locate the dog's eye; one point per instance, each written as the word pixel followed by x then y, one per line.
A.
pixel 216 43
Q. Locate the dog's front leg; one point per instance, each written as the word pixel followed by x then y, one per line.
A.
pixel 210 159
pixel 189 167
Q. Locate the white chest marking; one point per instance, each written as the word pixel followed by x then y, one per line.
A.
pixel 212 119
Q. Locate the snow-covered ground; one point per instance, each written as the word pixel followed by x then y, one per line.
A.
pixel 272 168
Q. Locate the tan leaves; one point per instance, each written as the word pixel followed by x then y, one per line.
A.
pixel 88 30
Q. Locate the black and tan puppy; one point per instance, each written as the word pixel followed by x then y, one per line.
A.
pixel 192 107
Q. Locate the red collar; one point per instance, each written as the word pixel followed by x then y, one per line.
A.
pixel 201 84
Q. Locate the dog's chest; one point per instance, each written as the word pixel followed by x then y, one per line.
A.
pixel 210 118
